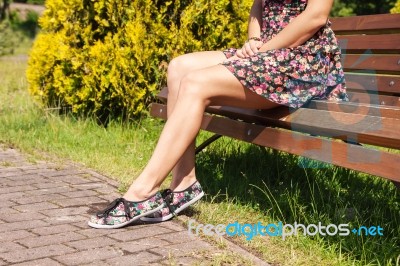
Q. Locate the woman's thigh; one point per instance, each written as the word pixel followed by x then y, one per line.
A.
pixel 184 64
pixel 216 85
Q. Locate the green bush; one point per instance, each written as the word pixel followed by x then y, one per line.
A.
pixel 396 8
pixel 27 26
pixel 8 38
pixel 109 58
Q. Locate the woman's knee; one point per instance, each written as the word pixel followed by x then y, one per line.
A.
pixel 192 87
pixel 175 72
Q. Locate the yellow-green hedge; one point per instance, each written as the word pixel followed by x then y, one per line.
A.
pixel 109 58
pixel 396 8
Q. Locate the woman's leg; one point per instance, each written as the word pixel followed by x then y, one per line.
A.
pixel 183 174
pixel 210 86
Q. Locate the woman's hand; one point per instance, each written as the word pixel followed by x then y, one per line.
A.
pixel 249 48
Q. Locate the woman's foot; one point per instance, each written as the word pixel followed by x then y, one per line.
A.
pixel 175 202
pixel 122 212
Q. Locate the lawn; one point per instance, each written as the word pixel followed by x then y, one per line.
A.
pixel 243 182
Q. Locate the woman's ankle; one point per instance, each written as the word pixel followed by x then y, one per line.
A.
pixel 183 184
pixel 139 193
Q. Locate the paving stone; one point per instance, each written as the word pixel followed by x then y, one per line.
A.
pixel 62 190
pixel 66 211
pixel 10 173
pixel 44 166
pixel 22 217
pixel 84 225
pixel 105 190
pixel 7 203
pixel 39 198
pixel 13 183
pixel 138 233
pixel 54 229
pixel 40 262
pixel 177 237
pixel 174 226
pixel 142 244
pixel 14 235
pixel 42 170
pixel 142 258
pixel 186 261
pixel 97 263
pixel 10 246
pixel 92 243
pixel 89 256
pixel 34 207
pixel 51 183
pixel 12 196
pixel 96 185
pixel 36 253
pixel 109 197
pixel 25 177
pixel 22 225
pixel 77 179
pixel 77 201
pixel 92 233
pixel 182 249
pixel 64 173
pixel 7 211
pixel 66 219
pixel 107 180
pixel 60 238
pixel 4 190
pixel 80 193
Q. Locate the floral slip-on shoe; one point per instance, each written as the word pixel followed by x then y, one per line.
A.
pixel 175 202
pixel 122 212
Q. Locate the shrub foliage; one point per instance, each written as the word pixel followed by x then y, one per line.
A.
pixel 108 58
pixel 396 8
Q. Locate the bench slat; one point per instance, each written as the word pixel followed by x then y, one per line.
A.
pixel 374 23
pixel 356 108
pixel 388 43
pixel 374 130
pixel 380 131
pixel 372 62
pixel 354 157
pixel 375 83
pixel 373 98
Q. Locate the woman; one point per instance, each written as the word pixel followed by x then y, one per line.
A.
pixel 291 56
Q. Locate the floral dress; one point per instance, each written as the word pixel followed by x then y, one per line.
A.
pixel 292 76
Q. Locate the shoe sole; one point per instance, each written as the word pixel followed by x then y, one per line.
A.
pixel 169 216
pixel 105 226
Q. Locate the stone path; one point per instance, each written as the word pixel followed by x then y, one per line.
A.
pixel 44 208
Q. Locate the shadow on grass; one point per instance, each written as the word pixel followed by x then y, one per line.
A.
pixel 277 185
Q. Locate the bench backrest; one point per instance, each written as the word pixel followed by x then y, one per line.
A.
pixel 371 57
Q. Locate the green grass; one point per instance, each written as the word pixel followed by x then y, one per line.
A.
pixel 244 183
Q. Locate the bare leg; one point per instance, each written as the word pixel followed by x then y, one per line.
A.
pixel 183 174
pixel 210 86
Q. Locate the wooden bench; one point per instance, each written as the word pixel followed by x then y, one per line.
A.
pixel 362 134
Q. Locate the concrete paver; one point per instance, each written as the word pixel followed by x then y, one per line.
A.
pixel 44 211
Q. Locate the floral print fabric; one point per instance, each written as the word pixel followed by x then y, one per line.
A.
pixel 121 211
pixel 292 76
pixel 175 201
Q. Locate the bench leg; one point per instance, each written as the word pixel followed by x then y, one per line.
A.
pixel 207 142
